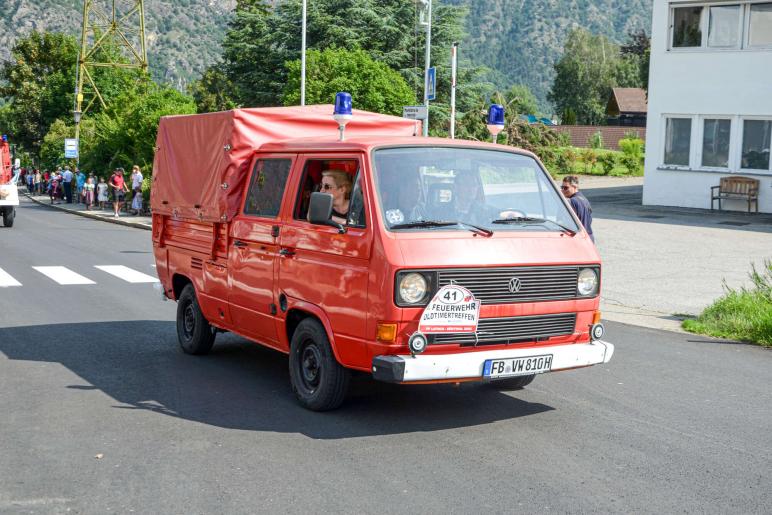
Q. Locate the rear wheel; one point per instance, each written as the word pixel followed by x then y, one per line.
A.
pixel 194 333
pixel 318 380
pixel 9 214
pixel 514 383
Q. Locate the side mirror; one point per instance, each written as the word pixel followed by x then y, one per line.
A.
pixel 320 211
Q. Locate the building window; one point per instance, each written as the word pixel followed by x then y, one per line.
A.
pixel 715 143
pixel 687 23
pixel 757 138
pixel 678 136
pixel 760 26
pixel 724 27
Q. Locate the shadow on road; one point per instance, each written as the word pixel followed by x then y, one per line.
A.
pixel 243 386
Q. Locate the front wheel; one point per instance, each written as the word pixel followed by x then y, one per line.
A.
pixel 515 383
pixel 8 216
pixel 318 380
pixel 194 333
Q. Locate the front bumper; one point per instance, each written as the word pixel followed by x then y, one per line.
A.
pixel 469 365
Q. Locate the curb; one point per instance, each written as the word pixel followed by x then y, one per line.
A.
pixel 118 221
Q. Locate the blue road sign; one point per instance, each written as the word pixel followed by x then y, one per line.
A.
pixel 432 83
pixel 70 148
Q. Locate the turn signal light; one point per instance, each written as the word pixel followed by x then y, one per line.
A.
pixel 596 318
pixel 387 333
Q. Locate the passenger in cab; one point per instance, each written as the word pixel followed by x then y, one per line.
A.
pixel 403 197
pixel 338 184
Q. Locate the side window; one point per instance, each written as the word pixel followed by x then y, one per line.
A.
pixel 356 212
pixel 266 188
pixel 340 178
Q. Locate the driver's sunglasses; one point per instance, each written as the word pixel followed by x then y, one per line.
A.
pixel 565 188
pixel 326 187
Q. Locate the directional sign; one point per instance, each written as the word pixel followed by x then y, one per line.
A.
pixel 414 112
pixel 70 148
pixel 432 83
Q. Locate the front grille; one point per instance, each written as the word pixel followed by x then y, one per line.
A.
pixel 492 285
pixel 496 331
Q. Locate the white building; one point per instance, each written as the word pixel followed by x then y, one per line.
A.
pixel 710 101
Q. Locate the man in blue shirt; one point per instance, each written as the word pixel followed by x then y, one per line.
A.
pixel 579 202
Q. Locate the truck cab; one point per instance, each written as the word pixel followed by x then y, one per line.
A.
pixel 454 261
pixel 9 195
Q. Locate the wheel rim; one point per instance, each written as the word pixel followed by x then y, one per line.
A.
pixel 189 321
pixel 310 365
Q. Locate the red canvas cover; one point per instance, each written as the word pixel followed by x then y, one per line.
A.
pixel 201 160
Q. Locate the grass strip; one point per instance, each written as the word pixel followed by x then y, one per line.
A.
pixel 744 314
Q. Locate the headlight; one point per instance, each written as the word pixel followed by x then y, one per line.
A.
pixel 412 288
pixel 588 282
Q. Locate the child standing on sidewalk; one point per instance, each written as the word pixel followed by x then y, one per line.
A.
pixel 102 192
pixel 88 193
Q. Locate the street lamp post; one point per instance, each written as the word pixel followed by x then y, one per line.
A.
pixel 303 58
pixel 76 115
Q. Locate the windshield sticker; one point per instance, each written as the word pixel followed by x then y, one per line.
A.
pixel 452 310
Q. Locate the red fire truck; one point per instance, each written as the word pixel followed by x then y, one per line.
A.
pixel 9 195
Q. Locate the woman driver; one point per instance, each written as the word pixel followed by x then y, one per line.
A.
pixel 338 184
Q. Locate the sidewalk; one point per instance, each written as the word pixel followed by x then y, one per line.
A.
pixel 106 215
pixel 662 264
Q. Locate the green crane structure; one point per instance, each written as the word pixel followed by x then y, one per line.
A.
pixel 118 23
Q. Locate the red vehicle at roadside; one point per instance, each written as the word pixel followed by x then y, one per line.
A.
pixel 454 261
pixel 9 195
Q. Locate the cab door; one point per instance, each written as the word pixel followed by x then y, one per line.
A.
pixel 318 265
pixel 254 248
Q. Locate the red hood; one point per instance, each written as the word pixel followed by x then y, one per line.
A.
pixel 502 249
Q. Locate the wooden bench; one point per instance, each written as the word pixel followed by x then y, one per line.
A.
pixel 736 188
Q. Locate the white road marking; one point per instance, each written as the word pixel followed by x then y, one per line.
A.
pixel 7 280
pixel 63 275
pixel 127 274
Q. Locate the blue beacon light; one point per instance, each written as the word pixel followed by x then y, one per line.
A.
pixel 495 120
pixel 342 112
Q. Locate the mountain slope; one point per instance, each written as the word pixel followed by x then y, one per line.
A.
pixel 183 36
pixel 519 40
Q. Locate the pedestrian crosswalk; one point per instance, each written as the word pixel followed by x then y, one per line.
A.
pixel 65 276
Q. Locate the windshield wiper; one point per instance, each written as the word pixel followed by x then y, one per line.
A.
pixel 443 223
pixel 531 220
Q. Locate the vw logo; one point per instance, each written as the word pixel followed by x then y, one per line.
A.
pixel 514 285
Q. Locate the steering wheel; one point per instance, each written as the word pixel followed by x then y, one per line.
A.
pixel 511 212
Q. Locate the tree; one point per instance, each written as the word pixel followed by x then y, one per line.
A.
pixel 38 83
pixel 590 67
pixel 638 46
pixel 261 39
pixel 373 85
pixel 213 91
pixel 125 133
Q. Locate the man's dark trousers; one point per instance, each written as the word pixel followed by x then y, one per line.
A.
pixel 68 191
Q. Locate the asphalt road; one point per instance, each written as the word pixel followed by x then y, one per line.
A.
pixel 101 413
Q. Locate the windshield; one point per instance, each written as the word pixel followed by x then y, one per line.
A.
pixel 438 188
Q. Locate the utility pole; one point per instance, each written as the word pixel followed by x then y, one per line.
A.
pixel 453 67
pixel 104 24
pixel 426 20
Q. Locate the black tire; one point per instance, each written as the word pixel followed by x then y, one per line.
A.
pixel 194 333
pixel 320 383
pixel 8 216
pixel 514 383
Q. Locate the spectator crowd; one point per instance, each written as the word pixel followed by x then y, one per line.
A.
pixel 64 185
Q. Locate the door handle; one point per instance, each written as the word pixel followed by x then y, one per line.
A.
pixel 286 252
pixel 240 244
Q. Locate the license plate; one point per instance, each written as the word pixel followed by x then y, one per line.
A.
pixel 511 367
